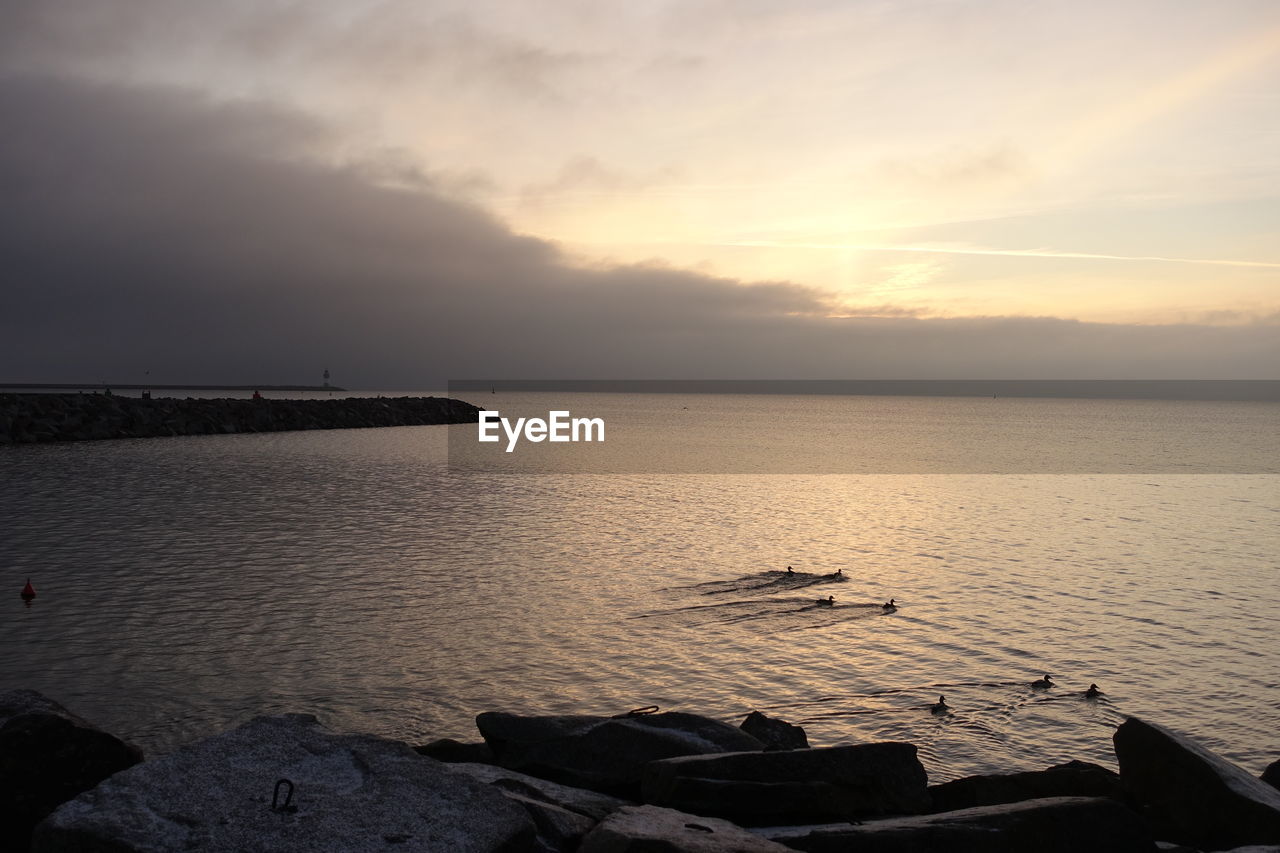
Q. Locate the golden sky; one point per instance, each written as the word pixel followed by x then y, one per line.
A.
pixel 1101 161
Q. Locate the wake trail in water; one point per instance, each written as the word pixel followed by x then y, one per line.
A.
pixel 771 610
pixel 769 581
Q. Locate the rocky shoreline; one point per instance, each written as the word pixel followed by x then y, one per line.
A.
pixel 32 418
pixel 640 782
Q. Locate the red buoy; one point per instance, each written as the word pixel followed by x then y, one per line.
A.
pixel 28 591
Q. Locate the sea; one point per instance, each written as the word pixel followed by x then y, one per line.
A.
pixel 400 581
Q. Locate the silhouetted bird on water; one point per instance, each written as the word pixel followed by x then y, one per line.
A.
pixel 1093 692
pixel 829 600
pixel 889 606
pixel 790 570
pixel 1042 683
pixel 940 707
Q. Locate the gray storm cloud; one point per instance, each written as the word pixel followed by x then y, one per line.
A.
pixel 157 230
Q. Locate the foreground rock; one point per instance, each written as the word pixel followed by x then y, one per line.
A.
pixel 1272 774
pixel 1056 825
pixel 559 830
pixel 648 829
pixel 563 815
pixel 605 754
pixel 456 752
pixel 1073 779
pixel 774 733
pixel 48 756
pixel 353 793
pixel 27 418
pixel 793 786
pixel 590 804
pixel 1192 795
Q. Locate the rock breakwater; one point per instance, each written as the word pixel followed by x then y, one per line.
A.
pixel 31 418
pixel 286 783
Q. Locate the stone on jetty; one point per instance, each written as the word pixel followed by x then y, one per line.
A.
pixel 793 786
pixel 1073 779
pixel 649 829
pixel 592 804
pixel 605 754
pixel 1192 795
pixel 353 793
pixel 1055 825
pixel 48 756
pixel 774 733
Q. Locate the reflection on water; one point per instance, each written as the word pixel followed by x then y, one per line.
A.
pixel 187 584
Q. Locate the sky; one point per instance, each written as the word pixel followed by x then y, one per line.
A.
pixel 252 191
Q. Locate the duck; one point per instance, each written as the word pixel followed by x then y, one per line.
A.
pixel 790 570
pixel 1093 692
pixel 1042 683
pixel 940 707
pixel 890 605
pixel 828 601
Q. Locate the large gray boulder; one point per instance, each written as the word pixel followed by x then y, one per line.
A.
pixel 592 804
pixel 352 793
pixel 649 829
pixel 1055 825
pixel 1192 795
pixel 559 830
pixel 605 754
pixel 793 786
pixel 563 815
pixel 48 755
pixel 1073 779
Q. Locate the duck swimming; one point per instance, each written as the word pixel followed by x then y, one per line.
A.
pixel 1042 683
pixel 1093 692
pixel 889 606
pixel 828 601
pixel 940 707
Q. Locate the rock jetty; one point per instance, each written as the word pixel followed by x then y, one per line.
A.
pixel 286 783
pixel 30 418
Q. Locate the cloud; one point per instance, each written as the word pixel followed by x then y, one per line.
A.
pixel 583 174
pixel 159 230
pixel 998 252
pixel 957 169
pixel 386 43
pixel 906 277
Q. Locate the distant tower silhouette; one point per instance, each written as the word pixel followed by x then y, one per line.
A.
pixel 326 377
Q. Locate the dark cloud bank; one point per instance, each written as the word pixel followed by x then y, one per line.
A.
pixel 149 230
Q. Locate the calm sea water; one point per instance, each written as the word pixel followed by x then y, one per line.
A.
pixel 188 584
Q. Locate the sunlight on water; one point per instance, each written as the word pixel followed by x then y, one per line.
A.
pixel 187 584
